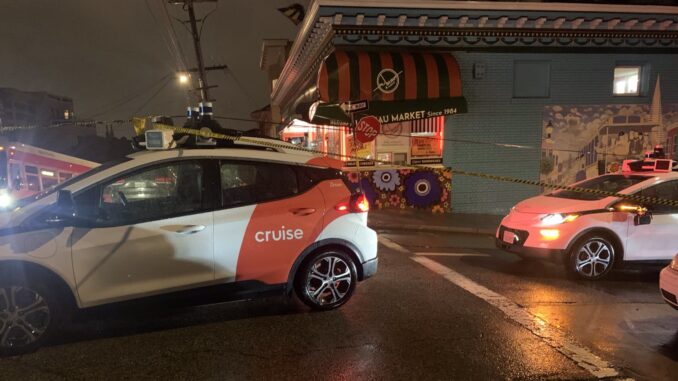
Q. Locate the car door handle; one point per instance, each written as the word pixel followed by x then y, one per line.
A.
pixel 302 211
pixel 188 229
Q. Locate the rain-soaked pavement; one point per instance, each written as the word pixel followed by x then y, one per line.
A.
pixel 416 319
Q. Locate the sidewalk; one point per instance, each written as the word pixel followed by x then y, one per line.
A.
pixel 422 220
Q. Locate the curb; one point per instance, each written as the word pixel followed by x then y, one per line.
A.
pixel 437 229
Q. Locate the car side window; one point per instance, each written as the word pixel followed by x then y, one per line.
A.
pixel 667 190
pixel 156 193
pixel 244 183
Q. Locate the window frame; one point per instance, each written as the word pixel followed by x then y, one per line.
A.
pixel 208 200
pixel 652 208
pixel 257 200
pixel 640 68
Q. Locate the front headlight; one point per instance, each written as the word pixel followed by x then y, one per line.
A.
pixel 6 200
pixel 557 219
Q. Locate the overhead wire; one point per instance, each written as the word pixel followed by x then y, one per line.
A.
pixel 452 140
pixel 228 71
pixel 168 35
pixel 155 94
pixel 128 98
pixel 465 141
pixel 204 19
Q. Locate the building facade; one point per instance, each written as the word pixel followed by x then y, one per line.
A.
pixel 551 92
pixel 28 108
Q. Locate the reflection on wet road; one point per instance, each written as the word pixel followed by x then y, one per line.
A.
pixel 623 318
pixel 472 312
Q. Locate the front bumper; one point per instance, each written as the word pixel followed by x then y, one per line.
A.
pixel 554 255
pixel 668 286
pixel 370 268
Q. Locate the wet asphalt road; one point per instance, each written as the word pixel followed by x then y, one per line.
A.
pixel 407 322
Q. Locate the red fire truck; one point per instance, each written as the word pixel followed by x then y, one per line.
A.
pixel 26 170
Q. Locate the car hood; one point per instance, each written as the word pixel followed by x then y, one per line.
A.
pixel 13 218
pixel 548 204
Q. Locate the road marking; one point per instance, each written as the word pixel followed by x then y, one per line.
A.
pixel 452 254
pixel 392 245
pixel 552 336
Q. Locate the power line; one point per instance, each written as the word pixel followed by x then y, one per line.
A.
pixel 465 141
pixel 151 98
pixel 228 71
pixel 204 19
pixel 118 103
pixel 170 44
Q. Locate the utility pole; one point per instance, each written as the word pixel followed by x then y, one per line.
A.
pixel 202 77
pixel 203 86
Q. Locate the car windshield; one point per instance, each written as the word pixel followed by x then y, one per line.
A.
pixel 38 196
pixel 607 183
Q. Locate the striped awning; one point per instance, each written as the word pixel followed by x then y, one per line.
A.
pixel 355 75
pixel 399 86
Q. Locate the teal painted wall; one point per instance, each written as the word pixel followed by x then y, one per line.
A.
pixel 495 116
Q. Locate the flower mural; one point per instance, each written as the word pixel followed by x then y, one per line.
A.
pixel 405 188
pixel 422 189
pixel 386 180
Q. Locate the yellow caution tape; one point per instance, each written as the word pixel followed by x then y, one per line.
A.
pixel 213 135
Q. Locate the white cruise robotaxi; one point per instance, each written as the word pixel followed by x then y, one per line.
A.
pixel 592 233
pixel 248 219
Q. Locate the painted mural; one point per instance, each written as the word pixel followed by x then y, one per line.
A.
pixel 427 189
pixel 582 141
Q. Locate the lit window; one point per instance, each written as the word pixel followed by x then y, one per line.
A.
pixel 626 80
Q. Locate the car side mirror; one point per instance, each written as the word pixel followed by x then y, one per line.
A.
pixel 64 209
pixel 644 218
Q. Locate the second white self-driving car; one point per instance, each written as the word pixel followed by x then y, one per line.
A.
pixel 592 232
pixel 668 283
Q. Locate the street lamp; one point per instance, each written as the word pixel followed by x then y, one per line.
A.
pixel 184 78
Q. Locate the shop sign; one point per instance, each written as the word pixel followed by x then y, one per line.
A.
pixel 426 146
pixel 367 129
pixel 394 111
pixel 432 160
pixel 362 163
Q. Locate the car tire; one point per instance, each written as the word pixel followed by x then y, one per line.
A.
pixel 591 258
pixel 30 312
pixel 326 280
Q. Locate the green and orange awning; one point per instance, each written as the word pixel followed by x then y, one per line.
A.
pixel 397 85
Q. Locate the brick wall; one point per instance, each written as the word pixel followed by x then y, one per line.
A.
pixel 495 116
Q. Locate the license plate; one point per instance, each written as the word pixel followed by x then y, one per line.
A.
pixel 509 236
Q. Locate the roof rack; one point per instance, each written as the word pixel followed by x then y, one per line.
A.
pixel 163 139
pixel 650 165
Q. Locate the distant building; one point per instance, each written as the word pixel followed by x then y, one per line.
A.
pixel 28 108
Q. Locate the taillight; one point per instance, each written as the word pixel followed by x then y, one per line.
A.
pixel 358 203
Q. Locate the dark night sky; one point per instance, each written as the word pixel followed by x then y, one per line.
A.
pixel 99 52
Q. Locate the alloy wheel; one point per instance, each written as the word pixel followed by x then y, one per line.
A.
pixel 24 317
pixel 594 258
pixel 328 280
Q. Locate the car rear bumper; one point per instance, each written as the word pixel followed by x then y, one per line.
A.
pixel 554 255
pixel 370 268
pixel 668 286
